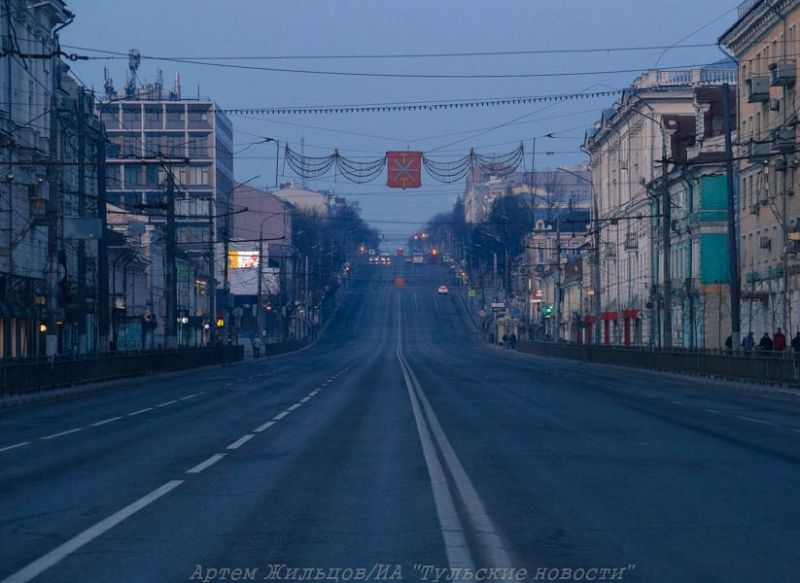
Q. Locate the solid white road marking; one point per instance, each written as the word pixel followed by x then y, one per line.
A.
pixel 67 432
pixel 187 397
pixel 713 411
pixel 280 415
pixel 305 399
pixel 264 427
pixel 455 540
pixel 15 446
pixel 293 407
pixel 42 564
pixel 745 418
pixel 203 465
pixel 167 403
pixel 140 411
pixel 106 421
pixel 241 441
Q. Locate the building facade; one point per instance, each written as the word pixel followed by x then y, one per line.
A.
pixel 764 42
pixel 653 124
pixel 153 132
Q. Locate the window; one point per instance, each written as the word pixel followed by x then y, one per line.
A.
pixel 199 118
pixel 112 177
pixel 110 117
pixel 132 117
pixel 199 146
pixel 152 173
pixel 176 117
pixel 152 117
pixel 133 175
pixel 152 145
pixel 199 176
pixel 131 146
pixel 175 146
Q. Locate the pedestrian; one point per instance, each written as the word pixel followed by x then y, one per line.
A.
pixel 513 341
pixel 779 340
pixel 796 343
pixel 256 347
pixel 748 342
pixel 766 342
pixel 729 343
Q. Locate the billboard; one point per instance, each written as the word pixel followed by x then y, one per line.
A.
pixel 242 259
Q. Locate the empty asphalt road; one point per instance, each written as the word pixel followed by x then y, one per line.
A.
pixel 400 447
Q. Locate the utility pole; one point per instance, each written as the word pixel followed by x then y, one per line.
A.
pixel 259 307
pixel 733 252
pixel 212 279
pixel 81 303
pixel 103 307
pixel 667 245
pixel 226 282
pixel 170 272
pixel 557 330
pixel 53 214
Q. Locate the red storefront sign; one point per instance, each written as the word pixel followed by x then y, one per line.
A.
pixel 403 169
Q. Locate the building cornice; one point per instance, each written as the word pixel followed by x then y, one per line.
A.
pixel 755 24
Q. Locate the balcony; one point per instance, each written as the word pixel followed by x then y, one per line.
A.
pixel 758 89
pixel 784 73
pixel 758 151
pixel 784 140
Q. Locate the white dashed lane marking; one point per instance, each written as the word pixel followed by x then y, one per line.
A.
pixel 15 446
pixel 62 433
pixel 106 421
pixel 167 403
pixel 241 441
pixel 264 427
pixel 752 420
pixel 203 465
pixel 280 415
pixel 293 407
pixel 140 411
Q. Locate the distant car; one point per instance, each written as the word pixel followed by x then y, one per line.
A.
pixel 385 259
pixel 418 258
pixel 443 289
pixel 373 259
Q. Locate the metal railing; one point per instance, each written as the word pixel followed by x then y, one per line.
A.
pixel 753 365
pixel 747 6
pixel 28 375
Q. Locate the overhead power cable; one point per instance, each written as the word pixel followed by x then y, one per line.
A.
pixel 508 53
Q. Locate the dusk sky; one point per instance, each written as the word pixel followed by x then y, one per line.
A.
pixel 315 28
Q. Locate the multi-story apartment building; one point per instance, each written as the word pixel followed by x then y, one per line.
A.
pixel 651 124
pixel 48 286
pixel 154 132
pixel 764 41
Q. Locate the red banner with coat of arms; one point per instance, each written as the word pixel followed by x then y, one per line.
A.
pixel 403 169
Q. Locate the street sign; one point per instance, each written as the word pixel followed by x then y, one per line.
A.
pixel 498 307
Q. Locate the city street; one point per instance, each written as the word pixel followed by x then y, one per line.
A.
pixel 399 444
